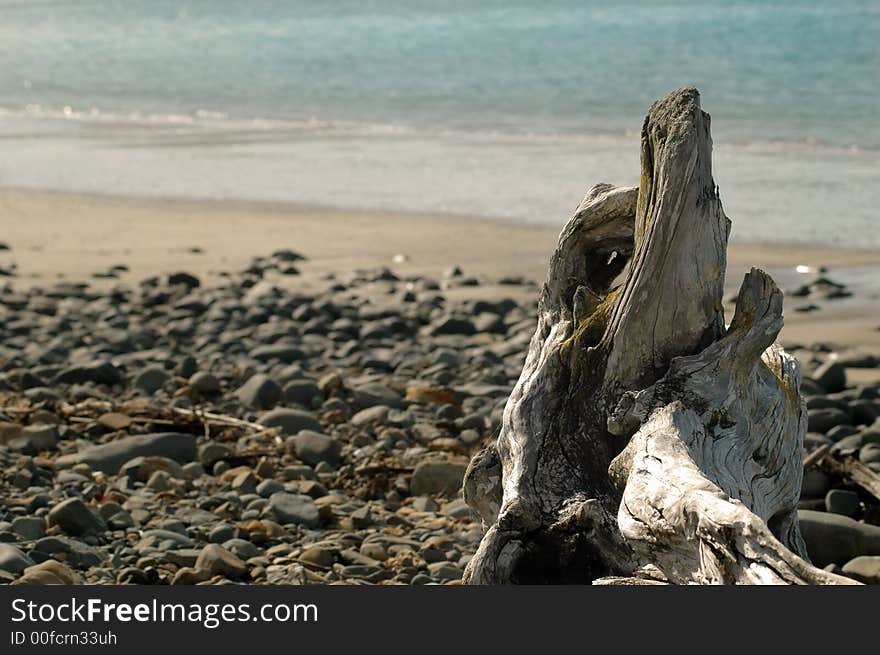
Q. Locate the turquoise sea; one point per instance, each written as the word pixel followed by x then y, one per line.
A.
pixel 510 110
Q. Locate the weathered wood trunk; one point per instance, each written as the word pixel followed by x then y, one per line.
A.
pixel 644 440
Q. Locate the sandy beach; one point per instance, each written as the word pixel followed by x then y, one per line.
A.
pixel 205 392
pixel 59 236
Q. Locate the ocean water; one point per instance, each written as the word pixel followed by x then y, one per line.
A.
pixel 502 109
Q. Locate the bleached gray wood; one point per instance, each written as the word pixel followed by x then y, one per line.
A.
pixel 643 441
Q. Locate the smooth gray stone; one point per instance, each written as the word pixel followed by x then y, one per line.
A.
pixel 41 437
pixel 157 536
pixel 212 452
pixel 13 559
pixel 283 352
pixel 365 417
pixel 313 448
pixel 840 501
pixel 290 421
pixel 268 487
pixel 194 516
pixel 815 484
pixel 76 518
pixel 831 375
pixel 109 457
pixel 223 532
pixel 204 383
pixel 835 539
pixel 376 393
pixel 29 527
pixel 241 548
pixel 76 554
pixel 293 508
pixel 301 392
pixel 259 392
pixel 151 379
pixel 822 420
pixel 437 477
pixel 182 556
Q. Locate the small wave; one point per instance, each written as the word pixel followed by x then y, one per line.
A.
pixel 204 118
pixel 208 119
pixel 95 115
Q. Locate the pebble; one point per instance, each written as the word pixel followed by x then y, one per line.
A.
pixel 424 504
pixel 151 379
pixel 183 557
pixel 141 469
pixel 437 478
pixel 160 482
pixel 314 448
pixel 12 559
pixel 815 484
pixel 190 576
pixel 458 509
pixel 822 420
pixel 40 436
pixel 164 539
pixel 216 560
pixel 245 483
pixel 298 509
pixel 290 421
pixel 95 372
pixel 375 393
pixel 241 548
pixel 76 518
pixel 302 392
pixel 320 556
pixel 840 501
pixel 282 352
pixel 831 376
pixel 370 416
pixel 259 392
pixel 374 550
pixel 184 279
pixel 378 386
pixel 833 539
pixel 453 325
pixel 445 571
pixel 29 527
pixel 268 487
pixel 221 533
pixel 50 572
pixel 212 452
pixel 865 568
pixel 109 457
pixel 204 383
pixel 75 553
pixel 870 453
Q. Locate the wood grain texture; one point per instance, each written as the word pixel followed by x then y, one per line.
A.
pixel 644 441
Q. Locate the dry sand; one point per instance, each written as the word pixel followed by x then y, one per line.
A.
pixel 56 236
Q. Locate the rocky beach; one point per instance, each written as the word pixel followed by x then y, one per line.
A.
pixel 197 393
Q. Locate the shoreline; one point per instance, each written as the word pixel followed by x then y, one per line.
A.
pixel 849 256
pixel 59 236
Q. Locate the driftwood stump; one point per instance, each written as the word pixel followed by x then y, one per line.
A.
pixel 645 441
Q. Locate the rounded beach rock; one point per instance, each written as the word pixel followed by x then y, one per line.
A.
pixel 76 518
pixel 298 509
